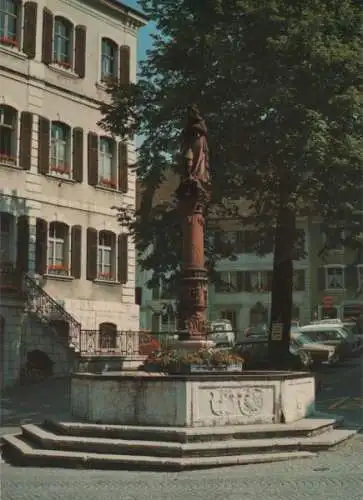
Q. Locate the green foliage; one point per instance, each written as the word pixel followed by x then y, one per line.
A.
pixel 280 86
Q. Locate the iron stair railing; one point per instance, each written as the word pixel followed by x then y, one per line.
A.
pixel 40 304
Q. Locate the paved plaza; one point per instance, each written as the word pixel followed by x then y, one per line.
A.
pixel 336 474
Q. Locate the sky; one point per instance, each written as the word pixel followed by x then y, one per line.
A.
pixel 144 39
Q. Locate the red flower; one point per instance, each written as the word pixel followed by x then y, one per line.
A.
pixel 12 42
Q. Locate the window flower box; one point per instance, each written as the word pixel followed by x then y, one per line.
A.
pixel 10 42
pixel 60 169
pixel 107 182
pixel 63 64
pixel 6 158
pixel 105 276
pixel 58 269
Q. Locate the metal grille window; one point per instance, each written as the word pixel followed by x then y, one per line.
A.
pixel 62 43
pixel 9 13
pixel 108 59
pixel 5 248
pixel 59 157
pixel 7 134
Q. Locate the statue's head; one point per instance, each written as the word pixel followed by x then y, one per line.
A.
pixel 193 111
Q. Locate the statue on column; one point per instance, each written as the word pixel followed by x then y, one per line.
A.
pixel 194 148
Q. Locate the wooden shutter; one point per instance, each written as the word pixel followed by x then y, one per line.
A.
pixel 25 148
pixel 43 145
pixel 92 243
pixel 76 247
pixel 77 156
pixel 299 280
pixel 122 274
pixel 247 281
pixel 92 159
pixel 269 278
pixel 22 253
pixel 321 279
pixel 47 41
pixel 124 65
pixel 351 278
pixel 80 51
pixel 138 295
pixel 41 246
pixel 122 167
pixel 155 323
pixel 30 29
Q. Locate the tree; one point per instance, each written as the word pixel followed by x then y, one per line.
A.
pixel 280 86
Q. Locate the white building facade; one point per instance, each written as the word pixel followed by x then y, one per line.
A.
pixel 60 173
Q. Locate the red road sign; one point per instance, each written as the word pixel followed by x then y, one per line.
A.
pixel 328 302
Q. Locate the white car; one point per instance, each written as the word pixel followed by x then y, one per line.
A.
pixel 221 332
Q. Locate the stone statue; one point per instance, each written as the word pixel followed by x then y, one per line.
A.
pixel 194 148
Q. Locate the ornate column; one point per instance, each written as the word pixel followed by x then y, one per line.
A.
pixel 193 195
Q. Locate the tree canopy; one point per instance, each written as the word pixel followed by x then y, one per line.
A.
pixel 280 86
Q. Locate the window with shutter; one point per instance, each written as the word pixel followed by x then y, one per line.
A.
pixel 106 256
pixel 30 29
pixel 91 254
pixel 58 249
pixel 41 246
pixel 43 145
pixel 122 167
pixel 63 43
pixel 8 135
pixel 22 251
pixel 335 278
pixel 138 296
pixel 124 63
pixel 80 51
pixel 60 150
pixel 123 258
pixel 109 57
pixel 25 148
pixel 76 251
pixel 107 171
pixel 77 155
pixel 9 23
pixel 47 40
pixel 92 159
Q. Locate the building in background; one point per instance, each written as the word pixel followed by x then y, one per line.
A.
pixel 332 278
pixel 60 174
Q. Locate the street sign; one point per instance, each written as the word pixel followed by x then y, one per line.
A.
pixel 328 302
pixel 277 331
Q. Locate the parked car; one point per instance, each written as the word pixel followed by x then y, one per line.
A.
pixel 317 352
pixel 333 334
pixel 222 334
pixel 304 353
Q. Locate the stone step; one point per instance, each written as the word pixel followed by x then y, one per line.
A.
pixel 306 427
pixel 45 439
pixel 20 452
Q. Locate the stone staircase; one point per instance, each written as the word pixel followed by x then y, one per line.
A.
pixel 43 308
pixel 79 445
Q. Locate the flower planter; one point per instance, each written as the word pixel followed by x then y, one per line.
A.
pixel 193 369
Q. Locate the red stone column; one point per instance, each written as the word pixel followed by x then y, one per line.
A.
pixel 194 287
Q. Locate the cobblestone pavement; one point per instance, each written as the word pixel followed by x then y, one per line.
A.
pixel 336 475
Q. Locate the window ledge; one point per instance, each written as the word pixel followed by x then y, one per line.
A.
pixel 61 179
pixel 13 51
pixel 58 277
pixel 108 189
pixel 335 290
pixel 106 282
pixel 63 71
pixel 16 166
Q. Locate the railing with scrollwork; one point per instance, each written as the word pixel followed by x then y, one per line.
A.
pixel 45 308
pixel 128 343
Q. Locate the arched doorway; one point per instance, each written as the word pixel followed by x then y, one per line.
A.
pixel 258 314
pixel 107 336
